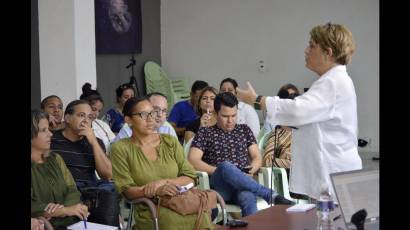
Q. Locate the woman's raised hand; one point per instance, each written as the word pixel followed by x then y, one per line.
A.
pixel 246 95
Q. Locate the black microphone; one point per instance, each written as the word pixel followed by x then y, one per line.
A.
pixel 279 127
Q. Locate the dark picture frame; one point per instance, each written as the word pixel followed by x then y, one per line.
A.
pixel 118 26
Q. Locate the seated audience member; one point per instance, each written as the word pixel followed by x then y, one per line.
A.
pixel 84 154
pixel 288 91
pixel 160 104
pixel 246 113
pixel 100 128
pixel 224 151
pixel 114 116
pixel 54 107
pixel 205 109
pixel 183 112
pixel 53 191
pixel 150 164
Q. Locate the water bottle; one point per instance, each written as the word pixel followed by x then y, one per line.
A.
pixel 324 207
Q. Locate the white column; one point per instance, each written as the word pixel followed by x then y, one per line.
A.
pixel 66 47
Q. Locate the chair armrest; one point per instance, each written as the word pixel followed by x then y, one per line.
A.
pixel 151 207
pixel 203 180
pixel 223 207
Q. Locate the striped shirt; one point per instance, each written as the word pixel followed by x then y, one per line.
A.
pixel 77 155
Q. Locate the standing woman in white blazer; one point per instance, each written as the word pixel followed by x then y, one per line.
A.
pixel 324 139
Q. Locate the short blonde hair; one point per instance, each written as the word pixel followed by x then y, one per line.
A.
pixel 338 38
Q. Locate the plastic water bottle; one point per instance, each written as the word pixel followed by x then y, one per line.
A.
pixel 324 207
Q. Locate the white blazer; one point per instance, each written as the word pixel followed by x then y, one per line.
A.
pixel 326 139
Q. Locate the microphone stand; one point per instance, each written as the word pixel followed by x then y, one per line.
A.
pixel 133 80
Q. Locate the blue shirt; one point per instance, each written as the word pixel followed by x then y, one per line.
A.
pixel 114 119
pixel 182 114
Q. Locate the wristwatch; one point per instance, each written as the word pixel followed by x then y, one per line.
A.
pixel 257 104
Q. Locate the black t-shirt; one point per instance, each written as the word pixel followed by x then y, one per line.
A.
pixel 78 156
pixel 194 126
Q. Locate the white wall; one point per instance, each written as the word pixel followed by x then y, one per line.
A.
pixel 213 39
pixel 66 47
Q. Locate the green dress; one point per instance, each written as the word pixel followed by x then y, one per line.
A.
pixel 52 182
pixel 131 167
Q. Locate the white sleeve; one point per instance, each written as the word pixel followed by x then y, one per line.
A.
pixel 252 120
pixel 125 132
pixel 316 105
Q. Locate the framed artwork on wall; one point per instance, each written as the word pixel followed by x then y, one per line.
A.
pixel 118 26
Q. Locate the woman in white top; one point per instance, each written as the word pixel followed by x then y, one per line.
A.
pixel 324 140
pixel 101 129
pixel 246 113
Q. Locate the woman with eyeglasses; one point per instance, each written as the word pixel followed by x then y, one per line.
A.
pixel 114 117
pixel 149 164
pixel 205 109
pixel 326 115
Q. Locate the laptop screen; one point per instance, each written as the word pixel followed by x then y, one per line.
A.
pixel 357 190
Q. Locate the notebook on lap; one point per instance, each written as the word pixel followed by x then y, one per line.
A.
pixel 356 190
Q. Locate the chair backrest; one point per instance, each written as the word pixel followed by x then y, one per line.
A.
pixel 156 80
pixel 181 89
pixel 187 146
pixel 280 182
pixel 262 138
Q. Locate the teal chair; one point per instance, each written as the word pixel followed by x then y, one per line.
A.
pixel 156 80
pixel 181 89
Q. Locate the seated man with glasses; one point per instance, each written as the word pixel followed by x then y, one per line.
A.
pixel 160 104
pixel 84 154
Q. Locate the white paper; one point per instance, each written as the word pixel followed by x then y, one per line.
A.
pixel 91 226
pixel 300 207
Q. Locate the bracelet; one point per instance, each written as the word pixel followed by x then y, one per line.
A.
pixel 257 103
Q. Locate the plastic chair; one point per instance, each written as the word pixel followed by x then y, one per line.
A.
pixel 152 209
pixel 262 138
pixel 181 89
pixel 156 80
pixel 280 177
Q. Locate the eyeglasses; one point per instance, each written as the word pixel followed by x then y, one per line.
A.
pixel 144 115
pixel 60 107
pixel 161 111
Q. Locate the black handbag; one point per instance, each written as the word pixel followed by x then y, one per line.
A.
pixel 102 204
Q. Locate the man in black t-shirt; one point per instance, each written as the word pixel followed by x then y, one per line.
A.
pixel 229 154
